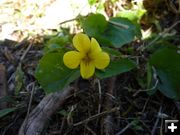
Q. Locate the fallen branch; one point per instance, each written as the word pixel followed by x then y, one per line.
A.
pixel 36 120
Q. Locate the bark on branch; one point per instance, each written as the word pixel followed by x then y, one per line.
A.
pixel 35 122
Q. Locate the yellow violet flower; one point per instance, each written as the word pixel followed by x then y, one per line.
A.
pixel 89 56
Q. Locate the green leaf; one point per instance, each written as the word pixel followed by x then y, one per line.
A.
pixel 19 79
pixel 56 43
pixel 52 74
pixel 59 40
pixel 167 64
pixel 132 15
pixel 92 2
pixel 6 111
pixel 94 24
pixel 112 51
pixel 119 36
pixel 115 68
pixel 110 33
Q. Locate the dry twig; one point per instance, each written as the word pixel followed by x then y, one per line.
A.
pixel 37 119
pixel 96 116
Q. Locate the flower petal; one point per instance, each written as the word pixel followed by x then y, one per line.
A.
pixel 95 46
pixel 81 42
pixel 102 60
pixel 72 59
pixel 87 69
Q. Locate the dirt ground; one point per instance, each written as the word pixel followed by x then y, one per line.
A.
pixel 121 108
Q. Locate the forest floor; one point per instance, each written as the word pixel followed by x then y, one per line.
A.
pixel 117 105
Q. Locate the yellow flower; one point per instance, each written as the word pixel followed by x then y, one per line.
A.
pixel 89 56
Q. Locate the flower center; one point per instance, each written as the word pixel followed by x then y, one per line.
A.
pixel 87 59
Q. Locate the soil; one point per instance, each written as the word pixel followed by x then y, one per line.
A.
pixel 135 112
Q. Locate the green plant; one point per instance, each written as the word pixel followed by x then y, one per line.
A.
pixel 53 75
pixel 112 35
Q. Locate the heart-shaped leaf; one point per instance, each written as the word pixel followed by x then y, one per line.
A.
pixel 52 74
pixel 115 32
pixel 116 67
pixel 167 64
